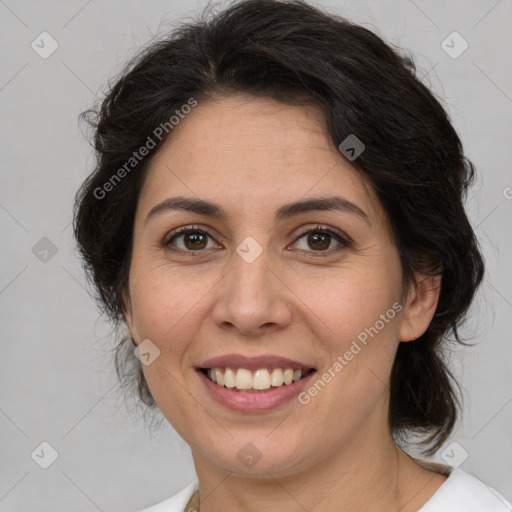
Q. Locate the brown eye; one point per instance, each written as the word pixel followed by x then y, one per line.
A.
pixel 188 240
pixel 319 240
pixel 195 240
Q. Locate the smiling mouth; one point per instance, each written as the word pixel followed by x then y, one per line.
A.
pixel 255 381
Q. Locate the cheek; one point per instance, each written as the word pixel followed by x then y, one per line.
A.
pixel 356 323
pixel 356 326
pixel 345 306
pixel 162 300
pixel 166 308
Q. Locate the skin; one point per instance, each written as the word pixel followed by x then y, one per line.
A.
pixel 251 156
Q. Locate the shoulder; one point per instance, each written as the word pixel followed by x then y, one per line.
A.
pixel 462 492
pixel 175 503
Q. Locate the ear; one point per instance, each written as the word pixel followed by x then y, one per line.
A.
pixel 420 306
pixel 128 316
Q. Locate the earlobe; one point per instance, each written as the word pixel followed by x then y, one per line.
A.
pixel 420 307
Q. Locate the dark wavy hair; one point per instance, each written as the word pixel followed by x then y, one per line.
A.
pixel 299 55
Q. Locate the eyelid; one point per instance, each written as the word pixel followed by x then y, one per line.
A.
pixel 343 239
pixel 324 228
pixel 182 230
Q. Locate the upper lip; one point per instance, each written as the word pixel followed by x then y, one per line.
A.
pixel 252 363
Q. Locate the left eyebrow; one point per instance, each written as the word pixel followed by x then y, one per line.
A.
pixel 331 203
pixel 202 207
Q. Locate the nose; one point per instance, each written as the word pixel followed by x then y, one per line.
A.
pixel 253 298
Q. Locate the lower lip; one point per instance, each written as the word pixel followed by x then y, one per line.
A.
pixel 257 401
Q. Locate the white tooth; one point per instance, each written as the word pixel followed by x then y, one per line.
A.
pixel 288 376
pixel 219 378
pixel 229 378
pixel 261 379
pixel 243 379
pixel 277 377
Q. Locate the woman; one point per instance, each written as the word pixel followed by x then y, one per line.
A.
pixel 277 217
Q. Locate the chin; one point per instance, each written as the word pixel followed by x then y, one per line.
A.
pixel 258 455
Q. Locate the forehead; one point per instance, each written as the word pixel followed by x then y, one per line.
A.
pixel 252 154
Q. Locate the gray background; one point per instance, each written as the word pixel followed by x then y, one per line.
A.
pixel 57 378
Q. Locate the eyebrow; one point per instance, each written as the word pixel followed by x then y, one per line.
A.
pixel 202 207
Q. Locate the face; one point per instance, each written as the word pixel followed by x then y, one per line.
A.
pixel 266 289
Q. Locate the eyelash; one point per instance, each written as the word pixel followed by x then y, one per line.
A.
pixel 344 241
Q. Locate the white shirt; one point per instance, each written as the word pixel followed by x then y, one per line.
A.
pixel 459 493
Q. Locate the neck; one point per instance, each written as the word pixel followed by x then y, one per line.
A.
pixel 370 473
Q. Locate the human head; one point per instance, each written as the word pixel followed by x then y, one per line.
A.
pixel 291 53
